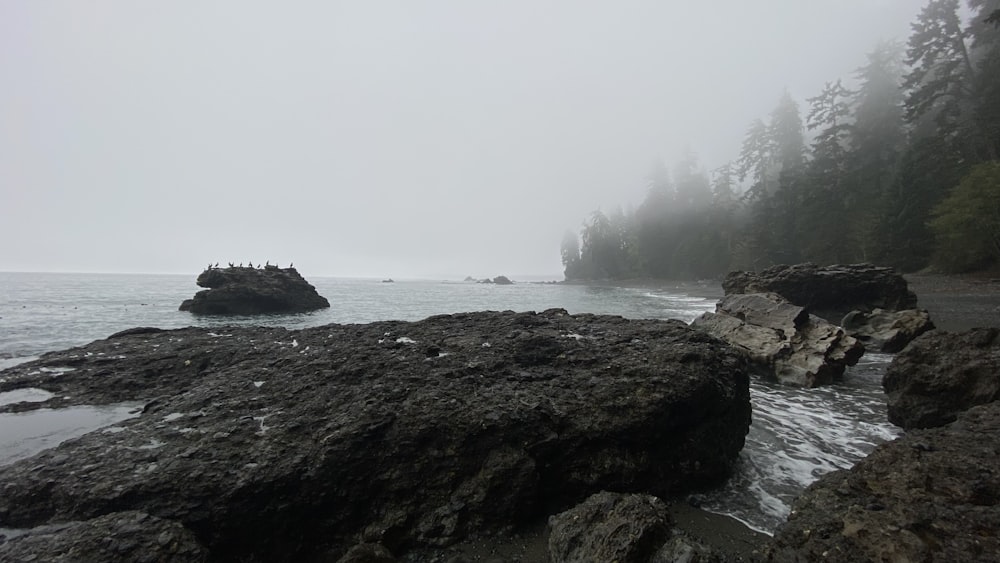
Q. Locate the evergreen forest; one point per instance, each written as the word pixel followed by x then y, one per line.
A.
pixel 899 168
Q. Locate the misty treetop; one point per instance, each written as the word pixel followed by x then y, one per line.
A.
pixel 900 170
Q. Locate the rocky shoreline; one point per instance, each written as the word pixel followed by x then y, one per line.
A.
pixel 455 439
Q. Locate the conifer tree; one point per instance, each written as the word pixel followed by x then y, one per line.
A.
pixel 875 194
pixel 823 234
pixel 943 84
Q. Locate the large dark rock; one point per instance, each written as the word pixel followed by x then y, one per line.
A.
pixel 272 444
pixel 251 291
pixel 782 341
pixel 930 496
pixel 942 374
pixel 125 537
pixel 828 291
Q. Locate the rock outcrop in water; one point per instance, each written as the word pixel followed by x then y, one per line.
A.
pixel 828 291
pixel 270 444
pixel 942 374
pixel 252 291
pixel 781 340
pixel 931 495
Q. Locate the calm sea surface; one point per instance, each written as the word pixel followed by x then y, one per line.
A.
pixel 797 435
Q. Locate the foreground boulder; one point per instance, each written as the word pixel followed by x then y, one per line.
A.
pixel 275 445
pixel 781 340
pixel 252 291
pixel 931 496
pixel 942 374
pixel 610 527
pixel 119 536
pixel 887 331
pixel 625 528
pixel 828 291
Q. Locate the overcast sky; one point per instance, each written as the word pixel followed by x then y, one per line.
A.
pixel 409 138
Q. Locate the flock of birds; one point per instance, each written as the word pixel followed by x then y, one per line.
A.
pixel 249 265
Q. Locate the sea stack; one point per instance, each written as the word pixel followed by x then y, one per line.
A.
pixel 251 291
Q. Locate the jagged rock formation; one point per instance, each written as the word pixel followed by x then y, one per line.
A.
pixel 829 291
pixel 781 340
pixel 251 291
pixel 942 374
pixel 930 496
pixel 887 331
pixel 278 445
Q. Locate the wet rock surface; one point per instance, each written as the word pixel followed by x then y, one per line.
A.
pixel 119 536
pixel 251 291
pixel 828 291
pixel 781 340
pixel 941 374
pixel 929 496
pixel 887 331
pixel 282 445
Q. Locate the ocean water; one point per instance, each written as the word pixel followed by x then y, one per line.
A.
pixel 797 435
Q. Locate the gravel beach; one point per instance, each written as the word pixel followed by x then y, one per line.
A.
pixel 958 303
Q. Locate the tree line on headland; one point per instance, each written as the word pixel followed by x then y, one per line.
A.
pixel 901 170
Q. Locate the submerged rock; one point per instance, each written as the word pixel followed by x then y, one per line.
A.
pixel 887 331
pixel 781 340
pixel 272 444
pixel 931 495
pixel 251 291
pixel 942 374
pixel 828 291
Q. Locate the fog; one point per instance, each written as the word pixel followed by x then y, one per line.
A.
pixel 378 138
